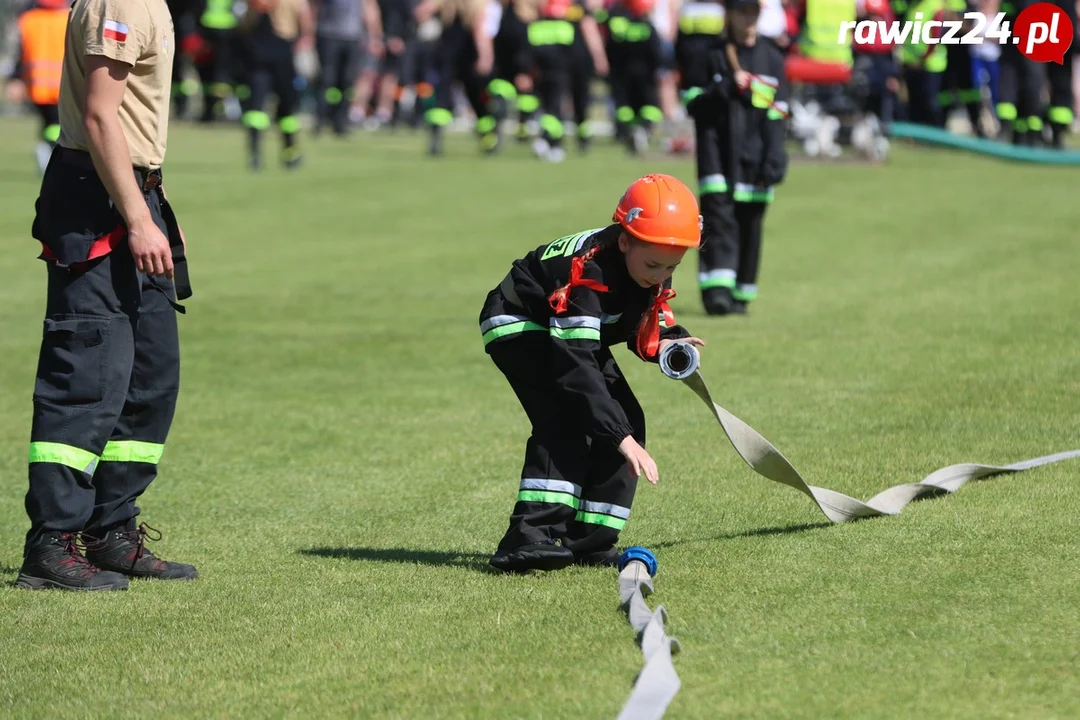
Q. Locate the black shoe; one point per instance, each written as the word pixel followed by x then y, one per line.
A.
pixel 55 562
pixel 538 556
pixel 600 558
pixel 291 158
pixel 123 550
pixel 718 301
pixel 1057 137
pixel 739 307
pixel 435 143
pixel 490 142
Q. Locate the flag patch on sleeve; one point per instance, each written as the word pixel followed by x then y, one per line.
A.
pixel 114 30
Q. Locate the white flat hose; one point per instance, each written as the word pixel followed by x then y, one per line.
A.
pixel 657 683
pixel 680 361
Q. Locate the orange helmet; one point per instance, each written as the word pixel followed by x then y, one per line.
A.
pixel 640 8
pixel 556 9
pixel 660 209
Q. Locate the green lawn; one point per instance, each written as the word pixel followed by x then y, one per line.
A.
pixel 345 456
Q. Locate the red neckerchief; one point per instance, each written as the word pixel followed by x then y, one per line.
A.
pixel 559 299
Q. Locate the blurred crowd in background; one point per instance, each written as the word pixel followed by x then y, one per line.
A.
pixel 558 74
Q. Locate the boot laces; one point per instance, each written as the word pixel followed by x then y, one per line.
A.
pixel 73 546
pixel 139 536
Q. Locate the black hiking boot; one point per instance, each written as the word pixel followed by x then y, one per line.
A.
pixel 718 301
pixel 538 556
pixel 599 558
pixel 55 562
pixel 123 550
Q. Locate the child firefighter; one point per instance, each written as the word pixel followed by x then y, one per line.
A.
pixel 549 327
pixel 739 119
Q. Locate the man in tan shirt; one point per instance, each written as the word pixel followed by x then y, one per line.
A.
pixel 109 367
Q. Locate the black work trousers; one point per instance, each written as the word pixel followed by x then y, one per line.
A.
pixel 553 66
pixel 456 61
pixel 1021 83
pixel 339 66
pixel 108 371
pixel 573 488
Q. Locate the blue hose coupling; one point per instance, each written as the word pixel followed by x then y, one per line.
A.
pixel 642 555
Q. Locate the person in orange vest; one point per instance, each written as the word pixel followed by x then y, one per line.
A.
pixel 37 70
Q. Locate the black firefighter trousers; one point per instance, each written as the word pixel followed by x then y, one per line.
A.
pixel 574 488
pixel 733 216
pixel 108 371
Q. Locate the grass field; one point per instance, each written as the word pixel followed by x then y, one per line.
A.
pixel 345 456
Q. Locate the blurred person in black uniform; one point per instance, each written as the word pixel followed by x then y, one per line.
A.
pixel 272 31
pixel 1020 110
pixel 464 54
pixel 740 158
pixel 634 55
pixel 341 28
pixel 216 62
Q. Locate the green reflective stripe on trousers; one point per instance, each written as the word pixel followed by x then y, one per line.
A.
pixel 578 333
pixel 502 88
pixel 746 293
pixel 191 88
pixel 548 497
pixel 333 95
pixel 598 519
pixel 552 126
pixel 1006 111
pixel 511 329
pixel 722 278
pixel 652 113
pixel 690 94
pixel 289 124
pixel 256 119
pixel 971 95
pixel 132 451
pixel 485 124
pixel 51 133
pixel 440 117
pixel 1060 115
pixel 712 184
pixel 624 114
pixel 528 103
pixel 73 457
pixel 760 195
pixel 1035 123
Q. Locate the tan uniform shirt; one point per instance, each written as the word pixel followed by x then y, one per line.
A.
pixel 469 11
pixel 138 33
pixel 527 11
pixel 285 17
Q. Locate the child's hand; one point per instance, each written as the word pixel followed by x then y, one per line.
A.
pixel 640 461
pixel 742 79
